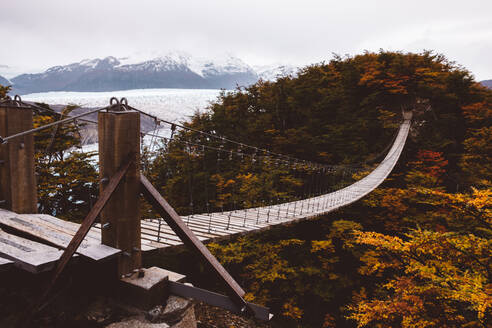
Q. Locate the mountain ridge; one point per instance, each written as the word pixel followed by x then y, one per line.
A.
pixel 173 70
pixel 487 83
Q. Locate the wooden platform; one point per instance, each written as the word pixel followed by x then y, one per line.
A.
pixel 56 232
pixel 36 241
pixel 27 254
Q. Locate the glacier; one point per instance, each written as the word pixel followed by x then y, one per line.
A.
pixel 175 105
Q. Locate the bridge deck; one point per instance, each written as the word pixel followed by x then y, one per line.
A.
pixel 157 234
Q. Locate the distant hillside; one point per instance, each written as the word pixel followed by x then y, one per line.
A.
pixel 487 83
pixel 174 70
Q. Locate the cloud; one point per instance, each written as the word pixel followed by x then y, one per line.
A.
pixel 50 32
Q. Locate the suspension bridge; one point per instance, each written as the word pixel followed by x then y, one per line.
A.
pixel 41 242
pixel 206 226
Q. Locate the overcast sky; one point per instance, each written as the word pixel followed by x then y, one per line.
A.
pixel 38 34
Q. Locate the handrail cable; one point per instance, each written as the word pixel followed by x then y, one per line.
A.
pixel 273 154
pixel 72 118
pixel 223 139
pixel 49 109
pixel 327 166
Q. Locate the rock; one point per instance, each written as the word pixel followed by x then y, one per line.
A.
pixel 178 312
pixel 188 319
pixel 99 311
pixel 175 307
pixel 155 314
pixel 137 322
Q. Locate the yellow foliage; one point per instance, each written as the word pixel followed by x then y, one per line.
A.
pixel 292 311
pixel 440 274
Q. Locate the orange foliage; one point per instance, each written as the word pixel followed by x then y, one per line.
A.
pixel 430 162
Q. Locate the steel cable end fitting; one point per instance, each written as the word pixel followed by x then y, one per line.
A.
pixel 114 102
pixel 123 104
pixel 17 100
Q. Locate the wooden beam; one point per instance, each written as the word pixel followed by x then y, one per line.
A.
pixel 119 137
pixel 190 240
pixel 17 180
pixel 184 290
pixel 39 227
pixel 79 237
pixel 28 255
pixel 89 220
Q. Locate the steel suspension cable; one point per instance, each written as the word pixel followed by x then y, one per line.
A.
pixel 173 126
pixel 51 110
pixel 240 144
pixel 27 132
pixel 223 139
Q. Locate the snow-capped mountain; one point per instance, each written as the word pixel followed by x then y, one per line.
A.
pixel 226 64
pixel 487 83
pixel 108 74
pixel 171 70
pixel 272 72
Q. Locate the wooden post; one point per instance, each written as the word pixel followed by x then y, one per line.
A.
pixel 119 138
pixel 18 189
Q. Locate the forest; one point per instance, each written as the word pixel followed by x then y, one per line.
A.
pixel 414 253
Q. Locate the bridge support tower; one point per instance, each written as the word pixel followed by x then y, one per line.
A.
pixel 119 140
pixel 18 189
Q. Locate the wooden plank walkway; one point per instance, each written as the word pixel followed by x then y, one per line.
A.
pixel 27 254
pixel 56 232
pixel 157 234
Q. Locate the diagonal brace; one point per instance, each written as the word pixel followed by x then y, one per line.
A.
pixel 87 224
pixel 189 239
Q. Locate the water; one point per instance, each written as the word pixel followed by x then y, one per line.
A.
pixel 174 105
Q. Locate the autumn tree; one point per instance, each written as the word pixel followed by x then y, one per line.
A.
pixel 67 178
pixel 434 269
pixel 4 91
pixel 434 279
pixel 415 252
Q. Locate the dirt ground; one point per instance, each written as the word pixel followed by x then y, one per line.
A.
pixel 212 317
